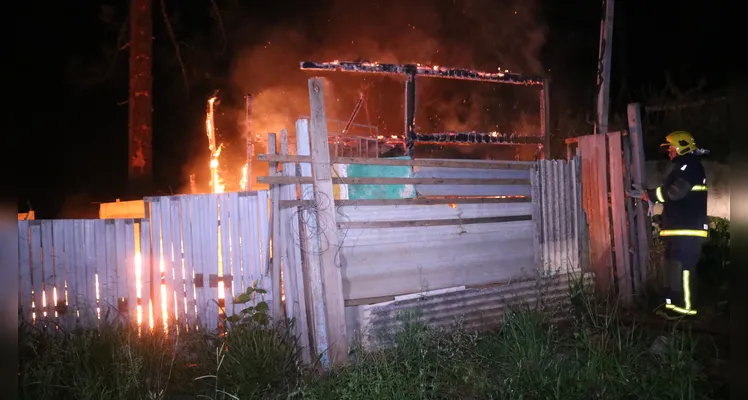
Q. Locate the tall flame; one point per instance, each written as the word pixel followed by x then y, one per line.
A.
pixel 215 151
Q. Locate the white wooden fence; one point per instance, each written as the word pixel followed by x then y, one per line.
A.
pixel 202 249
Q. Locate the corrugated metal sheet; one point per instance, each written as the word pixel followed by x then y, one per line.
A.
pixel 478 309
pixel 391 261
pixel 516 170
pixel 562 225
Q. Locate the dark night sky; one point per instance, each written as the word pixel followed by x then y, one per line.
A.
pixel 80 131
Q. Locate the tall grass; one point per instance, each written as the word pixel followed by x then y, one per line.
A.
pixel 592 356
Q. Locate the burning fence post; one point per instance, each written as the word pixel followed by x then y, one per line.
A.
pixel 410 112
pixel 215 151
pixel 545 119
pixel 193 184
pixel 246 182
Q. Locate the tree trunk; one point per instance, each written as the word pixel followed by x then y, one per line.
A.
pixel 140 168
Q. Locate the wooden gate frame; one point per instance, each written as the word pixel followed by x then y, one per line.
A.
pixel 619 228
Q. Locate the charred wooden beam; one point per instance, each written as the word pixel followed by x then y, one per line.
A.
pixel 410 113
pixel 477 137
pixel 422 70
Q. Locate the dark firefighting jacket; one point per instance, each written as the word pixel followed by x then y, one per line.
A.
pixel 684 197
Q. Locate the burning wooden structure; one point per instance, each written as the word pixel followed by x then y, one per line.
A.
pixel 412 71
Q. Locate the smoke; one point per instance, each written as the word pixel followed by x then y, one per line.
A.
pixel 475 34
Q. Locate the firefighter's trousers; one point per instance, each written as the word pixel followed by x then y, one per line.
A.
pixel 683 253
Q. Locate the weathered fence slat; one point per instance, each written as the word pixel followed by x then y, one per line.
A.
pixel 131 294
pixel 24 259
pixel 178 281
pixel 157 265
pixel 198 204
pixel 58 244
pixel 145 272
pixel 70 265
pixel 225 246
pixel 48 276
pixel 189 260
pixel 237 253
pixel 261 226
pixel 211 247
pixel 102 284
pixel 618 213
pixel 167 253
pixel 87 278
pixel 37 273
pixel 246 238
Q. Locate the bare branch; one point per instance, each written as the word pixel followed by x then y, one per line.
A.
pixel 173 39
pixel 120 38
pixel 220 26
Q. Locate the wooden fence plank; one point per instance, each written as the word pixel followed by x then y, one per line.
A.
pixel 105 308
pixel 618 213
pixel 24 259
pixel 177 220
pixel 58 266
pixel 120 268
pixel 275 265
pixel 471 164
pixel 311 261
pixel 168 257
pixel 293 278
pixel 211 250
pixel 48 274
pixel 260 265
pixel 89 319
pixel 79 270
pixel 261 237
pixel 108 275
pixel 189 259
pixel 157 265
pixel 224 209
pixel 245 221
pixel 70 249
pixel 145 272
pixel 37 274
pixel 132 288
pixel 237 252
pixel 199 203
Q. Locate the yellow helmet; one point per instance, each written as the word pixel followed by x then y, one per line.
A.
pixel 682 141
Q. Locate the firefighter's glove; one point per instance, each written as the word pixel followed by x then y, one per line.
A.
pixel 651 208
pixel 637 192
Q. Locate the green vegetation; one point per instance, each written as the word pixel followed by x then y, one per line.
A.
pixel 590 356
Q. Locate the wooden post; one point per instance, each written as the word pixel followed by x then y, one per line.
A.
pixel 618 213
pixel 140 168
pixel 638 177
pixel 603 68
pixel 410 113
pixel 293 286
pixel 332 277
pixel 545 118
pixel 274 260
pixel 312 269
pixel 637 279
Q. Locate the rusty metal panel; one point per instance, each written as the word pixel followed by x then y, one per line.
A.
pixel 560 223
pixel 476 309
pixel 595 203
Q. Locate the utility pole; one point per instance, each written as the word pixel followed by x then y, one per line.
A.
pixel 603 67
pixel 140 167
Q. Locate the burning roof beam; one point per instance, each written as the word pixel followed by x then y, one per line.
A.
pixel 423 70
pixel 477 137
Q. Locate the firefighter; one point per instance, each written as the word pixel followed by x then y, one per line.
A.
pixel 684 226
